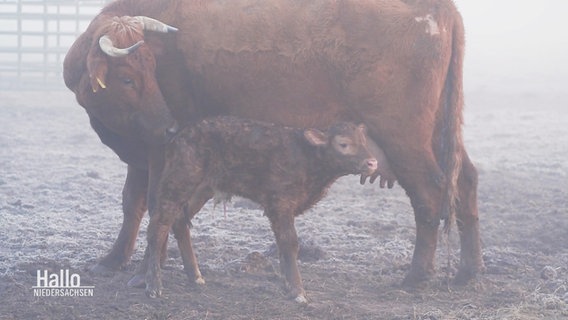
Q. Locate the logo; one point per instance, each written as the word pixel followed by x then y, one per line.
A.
pixel 62 284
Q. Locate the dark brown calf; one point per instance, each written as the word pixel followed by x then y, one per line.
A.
pixel 286 170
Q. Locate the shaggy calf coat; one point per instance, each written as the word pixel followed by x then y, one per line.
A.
pixel 286 170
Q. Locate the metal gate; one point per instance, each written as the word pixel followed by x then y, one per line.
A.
pixel 34 37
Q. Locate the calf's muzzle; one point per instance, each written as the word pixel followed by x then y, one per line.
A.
pixel 368 167
pixel 371 164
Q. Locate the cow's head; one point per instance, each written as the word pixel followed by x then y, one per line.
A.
pixel 344 148
pixel 118 85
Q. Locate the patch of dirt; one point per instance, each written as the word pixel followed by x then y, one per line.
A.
pixel 60 208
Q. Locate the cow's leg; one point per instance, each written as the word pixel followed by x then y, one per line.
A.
pixel 425 198
pixel 419 174
pixel 471 262
pixel 133 207
pixel 155 166
pixel 287 242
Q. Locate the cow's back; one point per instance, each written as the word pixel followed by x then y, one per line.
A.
pixel 308 64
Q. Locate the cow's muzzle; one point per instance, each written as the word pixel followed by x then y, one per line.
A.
pixel 154 129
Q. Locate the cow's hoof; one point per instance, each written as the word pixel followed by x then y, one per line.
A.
pixel 101 270
pixel 465 275
pixel 415 280
pixel 137 281
pixel 199 281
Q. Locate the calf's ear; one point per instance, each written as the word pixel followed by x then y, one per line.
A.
pixel 362 129
pixel 315 137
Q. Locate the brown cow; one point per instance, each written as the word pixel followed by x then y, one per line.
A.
pixel 286 170
pixel 391 64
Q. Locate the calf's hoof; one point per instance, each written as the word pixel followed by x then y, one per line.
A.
pixel 196 277
pixel 301 299
pixel 153 286
pixel 152 292
pixel 299 295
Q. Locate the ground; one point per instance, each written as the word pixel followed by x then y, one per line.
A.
pixel 60 208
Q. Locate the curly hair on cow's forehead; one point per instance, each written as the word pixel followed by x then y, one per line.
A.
pixel 125 28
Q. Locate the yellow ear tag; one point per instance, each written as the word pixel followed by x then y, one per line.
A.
pixel 101 83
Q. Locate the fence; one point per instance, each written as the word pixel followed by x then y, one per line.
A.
pixel 34 37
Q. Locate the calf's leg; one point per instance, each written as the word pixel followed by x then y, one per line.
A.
pixel 287 241
pixel 181 177
pixel 138 279
pixel 160 223
pixel 190 265
pixel 183 235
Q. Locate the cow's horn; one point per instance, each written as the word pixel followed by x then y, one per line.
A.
pixel 106 45
pixel 150 24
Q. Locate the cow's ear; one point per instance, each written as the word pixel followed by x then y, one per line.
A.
pixel 75 62
pixel 315 137
pixel 98 68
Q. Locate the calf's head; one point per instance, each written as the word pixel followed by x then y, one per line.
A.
pixel 121 89
pixel 344 148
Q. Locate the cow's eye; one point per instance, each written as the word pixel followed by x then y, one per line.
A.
pixel 343 145
pixel 127 81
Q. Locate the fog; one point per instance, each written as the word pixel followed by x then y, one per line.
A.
pixel 60 200
pixel 515 44
pixel 518 44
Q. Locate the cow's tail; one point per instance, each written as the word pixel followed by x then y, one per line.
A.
pixel 452 120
